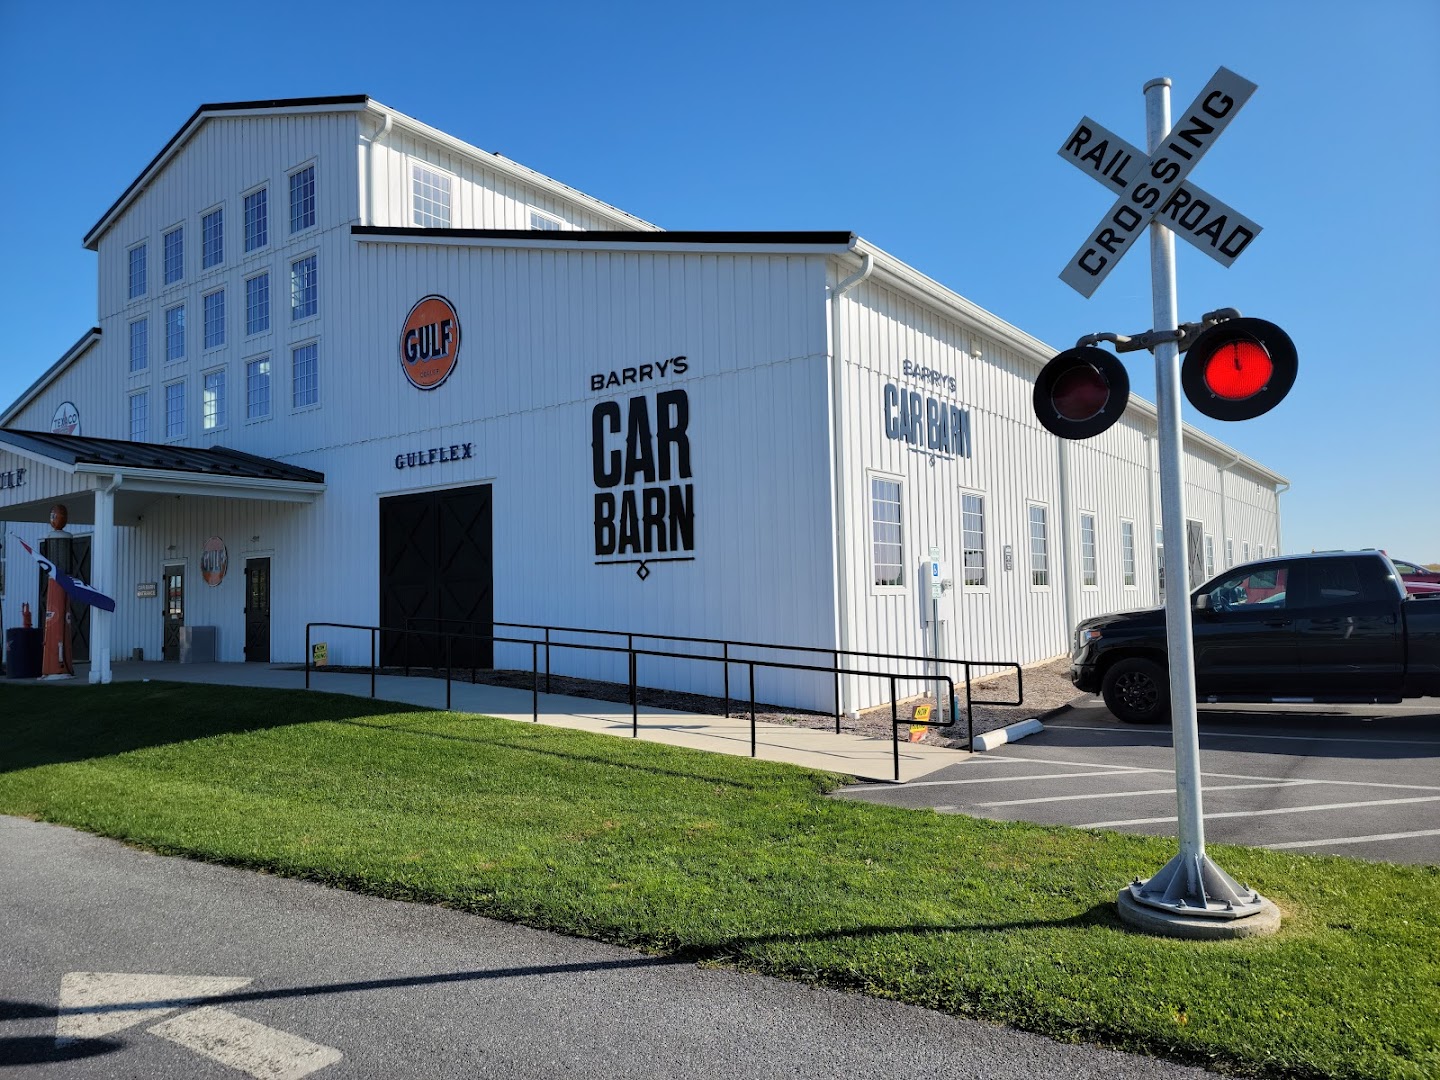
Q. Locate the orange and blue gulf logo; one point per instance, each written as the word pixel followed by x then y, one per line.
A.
pixel 430 342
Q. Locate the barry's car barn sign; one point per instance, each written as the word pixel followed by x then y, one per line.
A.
pixel 640 454
pixel 430 342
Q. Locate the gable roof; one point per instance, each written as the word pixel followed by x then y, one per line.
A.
pixel 79 349
pixel 346 103
pixel 342 103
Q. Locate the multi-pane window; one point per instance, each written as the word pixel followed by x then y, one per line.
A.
pixel 1089 575
pixel 139 417
pixel 175 333
pixel 257 220
pixel 174 255
pixel 257 304
pixel 1127 552
pixel 972 528
pixel 541 220
pixel 212 400
pixel 1160 558
pixel 302 199
pixel 305 375
pixel 257 388
pixel 1229 552
pixel 212 238
pixel 304 288
pixel 1039 546
pixel 213 310
pixel 432 197
pixel 137 271
pixel 1209 556
pixel 1245 551
pixel 139 344
pixel 887 541
pixel 174 410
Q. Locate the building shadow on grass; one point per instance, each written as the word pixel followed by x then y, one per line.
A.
pixel 41 727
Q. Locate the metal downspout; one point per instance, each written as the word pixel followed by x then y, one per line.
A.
pixel 840 489
pixel 1068 563
pixel 370 168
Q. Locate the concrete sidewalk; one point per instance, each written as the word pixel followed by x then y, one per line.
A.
pixel 854 755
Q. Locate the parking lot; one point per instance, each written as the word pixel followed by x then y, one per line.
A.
pixel 1361 781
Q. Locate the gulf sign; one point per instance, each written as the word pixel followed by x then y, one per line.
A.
pixel 430 342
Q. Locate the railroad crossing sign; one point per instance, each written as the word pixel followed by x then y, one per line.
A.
pixel 1152 186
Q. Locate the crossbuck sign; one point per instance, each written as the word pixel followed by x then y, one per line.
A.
pixel 1152 187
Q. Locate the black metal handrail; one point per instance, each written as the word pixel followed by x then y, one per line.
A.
pixel 727 644
pixel 633 655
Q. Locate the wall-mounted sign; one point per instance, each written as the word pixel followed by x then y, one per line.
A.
pixel 430 342
pixel 214 561
pixel 319 654
pixel 931 427
pixel 640 450
pixel 435 455
pixel 12 478
pixel 66 420
pixel 147 590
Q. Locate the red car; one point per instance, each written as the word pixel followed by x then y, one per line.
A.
pixel 1410 571
pixel 1428 589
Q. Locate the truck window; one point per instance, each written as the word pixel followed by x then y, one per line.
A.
pixel 1346 582
pixel 1251 590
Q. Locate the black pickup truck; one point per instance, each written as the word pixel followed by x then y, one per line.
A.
pixel 1333 627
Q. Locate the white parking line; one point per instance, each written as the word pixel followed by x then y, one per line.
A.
pixel 991 780
pixel 1246 735
pixel 1129 794
pixel 1261 813
pixel 1353 839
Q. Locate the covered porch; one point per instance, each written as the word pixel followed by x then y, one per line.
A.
pixel 108 485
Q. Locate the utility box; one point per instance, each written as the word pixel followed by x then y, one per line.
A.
pixel 197 645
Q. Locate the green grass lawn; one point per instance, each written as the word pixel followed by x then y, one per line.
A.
pixel 733 861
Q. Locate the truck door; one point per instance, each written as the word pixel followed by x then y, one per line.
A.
pixel 1352 643
pixel 1245 640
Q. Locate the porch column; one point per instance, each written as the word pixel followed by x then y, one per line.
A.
pixel 102 555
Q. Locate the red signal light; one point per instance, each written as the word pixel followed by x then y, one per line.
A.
pixel 1239 369
pixel 1081 392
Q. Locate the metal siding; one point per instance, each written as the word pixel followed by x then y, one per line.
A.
pixel 1015 462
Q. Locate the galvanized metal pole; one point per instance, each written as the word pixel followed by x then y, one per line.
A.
pixel 1166 314
pixel 1189 884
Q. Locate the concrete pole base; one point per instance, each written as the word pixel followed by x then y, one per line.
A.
pixel 1154 920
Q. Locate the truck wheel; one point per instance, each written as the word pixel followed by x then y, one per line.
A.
pixel 1137 691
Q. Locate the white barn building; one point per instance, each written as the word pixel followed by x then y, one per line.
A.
pixel 599 424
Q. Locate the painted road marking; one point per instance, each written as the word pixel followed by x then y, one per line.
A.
pixel 1277 738
pixel 94 1004
pixel 261 1051
pixel 1130 794
pixel 991 780
pixel 1354 839
pixel 1262 813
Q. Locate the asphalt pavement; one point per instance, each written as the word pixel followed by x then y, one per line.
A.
pixel 1361 781
pixel 119 963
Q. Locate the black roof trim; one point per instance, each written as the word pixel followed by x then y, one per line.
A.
pixel 607 236
pixel 121 454
pixel 216 107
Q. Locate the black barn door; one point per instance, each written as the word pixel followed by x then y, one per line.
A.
pixel 436 574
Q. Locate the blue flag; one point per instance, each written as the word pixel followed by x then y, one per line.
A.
pixel 74 588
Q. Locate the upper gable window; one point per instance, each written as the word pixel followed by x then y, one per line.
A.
pixel 212 238
pixel 541 220
pixel 302 199
pixel 137 271
pixel 174 254
pixel 431 192
pixel 257 220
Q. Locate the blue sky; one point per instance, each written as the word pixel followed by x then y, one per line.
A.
pixel 929 129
